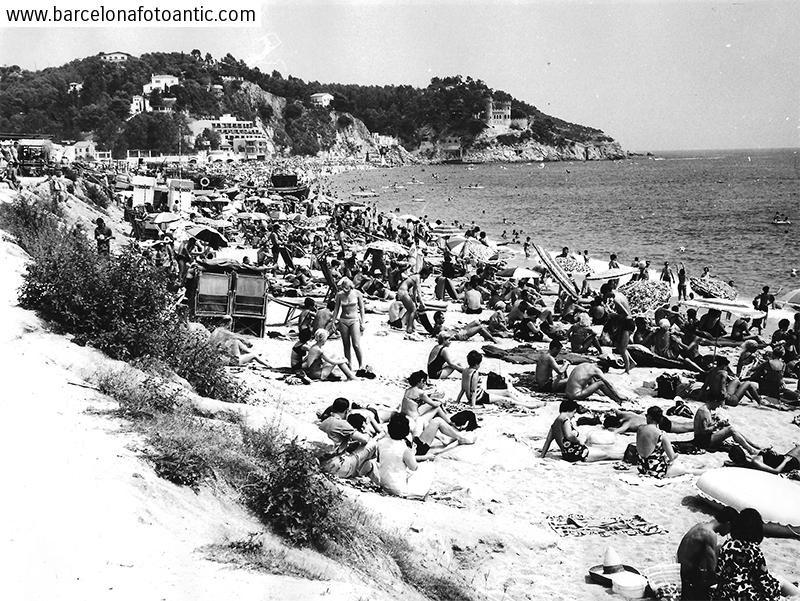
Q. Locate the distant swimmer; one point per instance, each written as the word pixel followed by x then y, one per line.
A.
pixel 682 249
pixel 793 273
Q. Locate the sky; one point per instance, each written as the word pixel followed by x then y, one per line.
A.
pixel 654 75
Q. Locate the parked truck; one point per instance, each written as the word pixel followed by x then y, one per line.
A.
pixel 34 157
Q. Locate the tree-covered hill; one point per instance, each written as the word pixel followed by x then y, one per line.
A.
pixel 40 102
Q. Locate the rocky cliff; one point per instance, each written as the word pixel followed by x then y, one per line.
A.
pixel 535 151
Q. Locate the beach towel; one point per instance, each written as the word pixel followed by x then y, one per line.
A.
pixel 575 524
pixel 526 354
pixel 639 480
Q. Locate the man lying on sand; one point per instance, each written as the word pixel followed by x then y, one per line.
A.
pixel 621 422
pixel 587 379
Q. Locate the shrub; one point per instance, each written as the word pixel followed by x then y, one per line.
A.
pixel 139 398
pixel 344 121
pixel 30 217
pixel 96 195
pixel 290 494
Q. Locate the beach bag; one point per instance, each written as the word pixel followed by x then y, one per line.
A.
pixel 631 455
pixel 667 386
pixel 680 409
pixel 495 381
pixel 465 419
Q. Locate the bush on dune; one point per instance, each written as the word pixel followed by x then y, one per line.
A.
pixel 122 304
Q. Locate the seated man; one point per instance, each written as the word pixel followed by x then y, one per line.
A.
pixel 235 346
pixel 721 385
pixel 711 429
pixel 587 379
pixel 550 374
pixel 710 325
pixel 472 298
pixel 440 363
pixel 565 434
pixel 474 392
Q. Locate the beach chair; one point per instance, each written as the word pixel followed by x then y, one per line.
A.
pixel 250 296
pixel 213 297
pixel 294 306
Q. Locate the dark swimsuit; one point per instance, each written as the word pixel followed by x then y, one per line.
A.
pixel 573 451
pixel 436 366
pixel 773 460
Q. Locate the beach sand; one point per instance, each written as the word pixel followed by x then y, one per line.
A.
pixel 487 514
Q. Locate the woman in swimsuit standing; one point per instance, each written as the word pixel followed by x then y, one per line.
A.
pixel 408 293
pixel 349 317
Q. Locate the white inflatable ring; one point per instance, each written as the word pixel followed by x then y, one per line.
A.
pixel 204 181
pixel 776 499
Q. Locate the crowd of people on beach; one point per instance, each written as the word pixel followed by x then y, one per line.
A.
pixel 336 258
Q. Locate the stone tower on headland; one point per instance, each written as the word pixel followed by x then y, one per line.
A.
pixel 496 114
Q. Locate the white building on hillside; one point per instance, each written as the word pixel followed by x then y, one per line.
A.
pixel 321 99
pixel 159 82
pixel 230 128
pixel 114 57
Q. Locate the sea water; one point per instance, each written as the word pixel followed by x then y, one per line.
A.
pixel 710 209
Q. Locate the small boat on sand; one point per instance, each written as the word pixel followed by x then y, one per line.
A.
pixel 781 222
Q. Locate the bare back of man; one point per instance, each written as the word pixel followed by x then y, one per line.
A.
pixel 697 554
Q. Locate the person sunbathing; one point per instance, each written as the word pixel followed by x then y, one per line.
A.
pixel 476 394
pixel 565 434
pixel 581 336
pixel 657 459
pixel 550 374
pixel 398 467
pixel 585 380
pixel 667 345
pixel 235 346
pixel 721 385
pixel 769 376
pixel 767 460
pixel 425 415
pixel 440 363
pixel 621 422
pixel 711 429
pixel 351 451
pixel 318 365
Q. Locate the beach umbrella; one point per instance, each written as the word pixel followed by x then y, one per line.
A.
pixel 454 241
pixel 725 306
pixel 557 272
pixel 208 235
pixel 712 288
pixel 611 274
pixel 520 273
pixel 388 246
pixel 646 295
pixel 166 218
pixel 570 265
pixel 445 230
pixel 254 216
pixel 793 299
pixel 472 249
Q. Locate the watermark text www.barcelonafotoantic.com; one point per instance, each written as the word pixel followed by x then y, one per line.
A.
pixel 243 13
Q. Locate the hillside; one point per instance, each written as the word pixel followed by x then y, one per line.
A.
pixel 45 102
